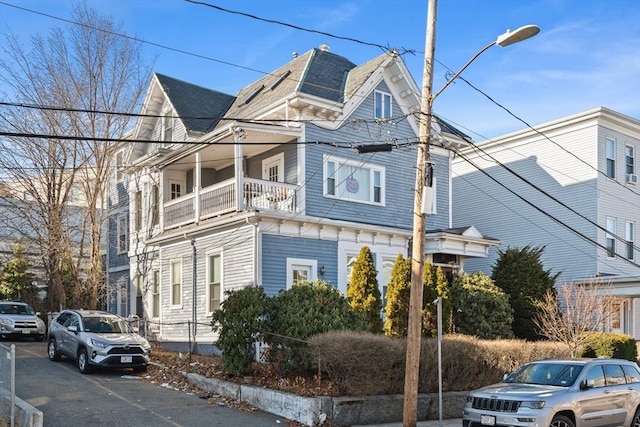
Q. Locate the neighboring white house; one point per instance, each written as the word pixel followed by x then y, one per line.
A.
pixel 588 163
pixel 283 182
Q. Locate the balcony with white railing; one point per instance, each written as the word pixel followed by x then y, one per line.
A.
pixel 219 199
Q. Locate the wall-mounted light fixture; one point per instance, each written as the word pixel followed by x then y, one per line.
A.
pixel 322 271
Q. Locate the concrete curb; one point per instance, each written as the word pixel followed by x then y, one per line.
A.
pixel 343 411
pixel 25 415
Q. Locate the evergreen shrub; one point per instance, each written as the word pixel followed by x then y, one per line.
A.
pixel 609 345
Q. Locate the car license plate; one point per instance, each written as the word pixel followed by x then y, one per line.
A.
pixel 487 420
pixel 126 359
pixel 25 331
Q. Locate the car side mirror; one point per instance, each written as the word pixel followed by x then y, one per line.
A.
pixel 72 328
pixel 586 384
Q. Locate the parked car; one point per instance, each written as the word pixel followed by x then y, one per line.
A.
pixel 18 320
pixel 97 339
pixel 560 393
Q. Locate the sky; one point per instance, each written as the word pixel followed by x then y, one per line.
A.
pixel 587 54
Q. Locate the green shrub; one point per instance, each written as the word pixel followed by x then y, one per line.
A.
pixel 618 346
pixel 436 285
pixel 240 321
pixel 363 292
pixel 481 308
pixel 398 296
pixel 298 313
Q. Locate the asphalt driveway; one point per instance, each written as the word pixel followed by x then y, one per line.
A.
pixel 112 398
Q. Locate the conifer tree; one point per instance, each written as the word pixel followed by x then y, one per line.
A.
pixel 16 281
pixel 398 296
pixel 363 292
pixel 435 285
pixel 520 274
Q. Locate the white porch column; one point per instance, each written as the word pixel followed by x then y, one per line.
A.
pixel 238 136
pixel 197 178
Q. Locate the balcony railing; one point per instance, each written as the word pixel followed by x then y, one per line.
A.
pixel 221 198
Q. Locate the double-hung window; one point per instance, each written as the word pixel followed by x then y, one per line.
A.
pixel 214 275
pixel 354 181
pixel 176 283
pixel 630 164
pixel 167 127
pixel 155 204
pixel 629 232
pixel 301 270
pixel 123 235
pixel 138 210
pixel 155 292
pixel 382 105
pixel 611 240
pixel 611 158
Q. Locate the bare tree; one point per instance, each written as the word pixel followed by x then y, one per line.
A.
pixel 68 79
pixel 568 314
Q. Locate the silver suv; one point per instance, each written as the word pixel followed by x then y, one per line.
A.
pixel 560 393
pixel 97 339
pixel 17 319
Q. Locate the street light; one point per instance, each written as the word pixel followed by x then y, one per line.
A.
pixel 423 182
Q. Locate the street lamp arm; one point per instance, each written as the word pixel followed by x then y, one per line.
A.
pixel 455 76
pixel 504 40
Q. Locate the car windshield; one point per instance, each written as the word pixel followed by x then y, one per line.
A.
pixel 105 325
pixel 16 309
pixel 551 373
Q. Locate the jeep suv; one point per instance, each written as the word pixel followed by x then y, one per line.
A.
pixel 97 339
pixel 560 393
pixel 17 320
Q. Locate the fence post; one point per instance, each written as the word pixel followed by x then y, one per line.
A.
pixel 13 384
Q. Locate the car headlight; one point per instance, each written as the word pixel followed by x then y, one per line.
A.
pixel 6 321
pixel 99 344
pixel 41 323
pixel 537 404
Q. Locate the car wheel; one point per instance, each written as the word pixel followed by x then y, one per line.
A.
pixel 52 350
pixel 561 421
pixel 83 362
pixel 636 419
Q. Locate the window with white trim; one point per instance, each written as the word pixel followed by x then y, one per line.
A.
pixel 273 168
pixel 629 232
pixel 611 157
pixel 176 283
pixel 119 162
pixel 611 241
pixel 167 127
pixel 630 161
pixel 123 234
pixel 214 282
pixel 155 204
pixel 301 270
pixel 155 293
pixel 354 181
pixel 382 105
pixel 137 215
pixel 175 190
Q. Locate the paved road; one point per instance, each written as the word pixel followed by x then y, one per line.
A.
pixel 106 398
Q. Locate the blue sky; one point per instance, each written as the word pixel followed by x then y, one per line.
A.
pixel 587 54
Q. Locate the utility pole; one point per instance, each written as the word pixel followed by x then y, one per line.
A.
pixel 414 335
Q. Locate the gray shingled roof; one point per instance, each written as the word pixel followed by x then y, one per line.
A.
pixel 192 101
pixel 326 74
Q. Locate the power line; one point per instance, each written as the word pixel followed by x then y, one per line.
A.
pixel 542 211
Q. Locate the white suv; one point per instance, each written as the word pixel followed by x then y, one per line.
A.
pixel 17 320
pixel 97 339
pixel 560 393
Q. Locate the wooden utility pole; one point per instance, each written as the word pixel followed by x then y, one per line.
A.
pixel 410 413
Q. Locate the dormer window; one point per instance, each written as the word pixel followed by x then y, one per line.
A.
pixel 167 127
pixel 382 105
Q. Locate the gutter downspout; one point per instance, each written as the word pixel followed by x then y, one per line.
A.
pixel 194 278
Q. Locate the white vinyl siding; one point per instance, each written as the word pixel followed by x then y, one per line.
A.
pixel 155 293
